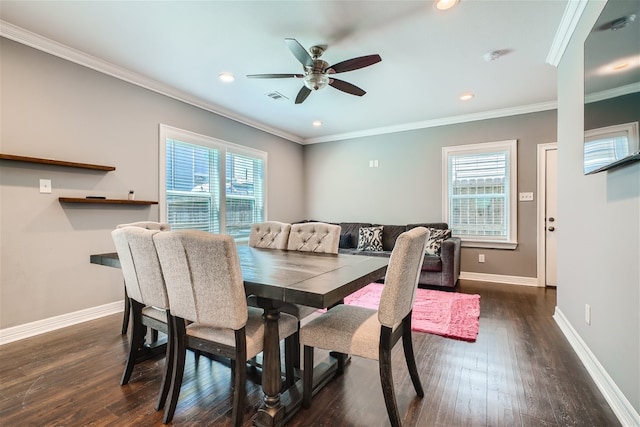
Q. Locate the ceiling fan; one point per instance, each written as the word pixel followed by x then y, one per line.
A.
pixel 317 72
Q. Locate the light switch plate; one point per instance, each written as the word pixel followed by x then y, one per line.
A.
pixel 526 197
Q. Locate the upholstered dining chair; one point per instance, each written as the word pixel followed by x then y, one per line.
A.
pixel 369 333
pixel 205 287
pixel 270 235
pixel 314 237
pixel 148 299
pixel 149 225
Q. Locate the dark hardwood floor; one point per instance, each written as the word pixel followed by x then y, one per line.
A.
pixel 521 371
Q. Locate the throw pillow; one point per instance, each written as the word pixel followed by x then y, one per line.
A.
pixel 345 241
pixel 370 239
pixel 437 236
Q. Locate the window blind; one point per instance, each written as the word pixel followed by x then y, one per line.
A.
pixel 478 194
pixel 194 194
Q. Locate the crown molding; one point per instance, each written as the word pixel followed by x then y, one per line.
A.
pixel 612 93
pixel 485 115
pixel 60 50
pixel 570 18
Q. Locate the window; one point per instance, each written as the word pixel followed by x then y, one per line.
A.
pixel 607 145
pixel 479 194
pixel 211 185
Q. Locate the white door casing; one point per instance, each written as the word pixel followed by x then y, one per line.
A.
pixel 547 216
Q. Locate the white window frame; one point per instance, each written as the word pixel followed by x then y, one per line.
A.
pixel 511 146
pixel 627 130
pixel 224 147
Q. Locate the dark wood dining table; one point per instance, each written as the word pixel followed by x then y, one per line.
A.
pixel 276 277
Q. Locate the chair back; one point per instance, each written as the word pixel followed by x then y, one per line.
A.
pixel 140 266
pixel 149 225
pixel 203 277
pixel 270 235
pixel 314 237
pixel 402 276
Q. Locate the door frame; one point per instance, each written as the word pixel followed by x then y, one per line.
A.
pixel 542 208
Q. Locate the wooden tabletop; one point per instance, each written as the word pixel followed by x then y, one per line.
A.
pixel 312 279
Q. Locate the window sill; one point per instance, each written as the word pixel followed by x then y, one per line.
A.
pixel 489 245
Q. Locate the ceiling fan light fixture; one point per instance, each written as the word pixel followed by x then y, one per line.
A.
pixel 315 81
pixel 445 4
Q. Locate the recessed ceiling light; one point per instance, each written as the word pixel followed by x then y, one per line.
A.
pixel 317 123
pixel 445 4
pixel 466 96
pixel 620 66
pixel 226 77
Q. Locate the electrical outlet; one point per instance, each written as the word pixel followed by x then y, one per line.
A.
pixel 480 257
pixel 587 314
pixel 45 186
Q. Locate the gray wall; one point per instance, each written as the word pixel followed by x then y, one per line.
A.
pixel 599 243
pixel 53 108
pixel 407 185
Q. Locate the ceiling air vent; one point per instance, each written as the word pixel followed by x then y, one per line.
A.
pixel 277 96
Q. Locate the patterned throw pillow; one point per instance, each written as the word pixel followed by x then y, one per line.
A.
pixel 370 239
pixel 437 236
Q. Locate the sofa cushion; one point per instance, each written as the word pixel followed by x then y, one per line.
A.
pixel 389 235
pixel 437 236
pixel 439 225
pixel 353 228
pixel 370 238
pixel 345 241
pixel 432 263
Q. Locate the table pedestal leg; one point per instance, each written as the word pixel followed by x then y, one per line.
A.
pixel 272 412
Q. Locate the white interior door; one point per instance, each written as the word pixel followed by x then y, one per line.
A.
pixel 551 217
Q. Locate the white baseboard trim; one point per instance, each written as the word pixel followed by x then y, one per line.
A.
pixel 620 405
pixel 38 327
pixel 499 278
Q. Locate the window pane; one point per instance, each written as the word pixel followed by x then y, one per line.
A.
pixel 478 194
pixel 244 190
pixel 192 186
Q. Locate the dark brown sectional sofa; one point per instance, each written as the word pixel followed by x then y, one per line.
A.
pixel 442 271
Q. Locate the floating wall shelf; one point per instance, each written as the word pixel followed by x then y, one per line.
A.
pixel 106 201
pixel 54 162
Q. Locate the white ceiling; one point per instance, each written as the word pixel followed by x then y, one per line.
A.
pixel 429 57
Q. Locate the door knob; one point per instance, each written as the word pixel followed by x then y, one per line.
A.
pixel 552 228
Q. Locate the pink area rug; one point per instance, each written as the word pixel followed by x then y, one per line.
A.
pixel 449 314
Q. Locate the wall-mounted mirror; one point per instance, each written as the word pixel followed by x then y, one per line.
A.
pixel 612 87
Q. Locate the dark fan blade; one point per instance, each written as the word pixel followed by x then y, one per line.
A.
pixel 274 76
pixel 299 52
pixel 302 95
pixel 347 87
pixel 355 63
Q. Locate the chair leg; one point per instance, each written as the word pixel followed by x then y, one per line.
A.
pixel 291 358
pixel 409 355
pixel 179 355
pixel 169 362
pixel 386 377
pixel 240 378
pixel 296 348
pixel 127 311
pixel 307 377
pixel 136 341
